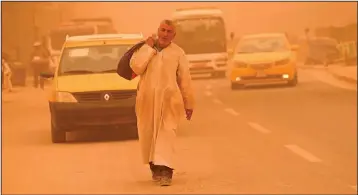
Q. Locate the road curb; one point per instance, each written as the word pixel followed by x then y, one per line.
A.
pixel 343 78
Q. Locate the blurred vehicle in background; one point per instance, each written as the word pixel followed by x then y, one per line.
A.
pixel 104 24
pixel 201 33
pixel 263 59
pixel 86 91
pixel 56 37
pixel 346 36
pixel 320 50
pixel 349 52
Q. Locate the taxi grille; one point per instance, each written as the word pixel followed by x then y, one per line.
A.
pixel 261 78
pixel 99 95
pixel 199 61
pixel 261 66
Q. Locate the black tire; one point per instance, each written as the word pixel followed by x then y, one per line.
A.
pixel 214 75
pixel 218 74
pixel 57 135
pixel 293 82
pixel 134 131
pixel 235 86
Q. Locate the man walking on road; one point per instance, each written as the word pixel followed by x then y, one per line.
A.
pixel 164 96
pixel 40 62
pixel 6 73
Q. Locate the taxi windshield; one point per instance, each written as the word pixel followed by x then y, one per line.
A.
pixel 91 59
pixel 262 44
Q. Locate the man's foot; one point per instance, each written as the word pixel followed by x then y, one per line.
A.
pixel 166 177
pixel 156 176
pixel 155 172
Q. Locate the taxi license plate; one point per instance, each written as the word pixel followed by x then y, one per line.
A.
pixel 260 74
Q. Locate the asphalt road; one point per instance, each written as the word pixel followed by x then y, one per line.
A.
pixel 257 140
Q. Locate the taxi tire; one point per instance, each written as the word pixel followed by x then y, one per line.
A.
pixel 57 135
pixel 218 74
pixel 134 131
pixel 235 86
pixel 293 82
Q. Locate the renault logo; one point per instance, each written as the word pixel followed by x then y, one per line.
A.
pixel 106 97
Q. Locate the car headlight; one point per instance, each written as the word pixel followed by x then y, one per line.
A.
pixel 67 97
pixel 282 62
pixel 240 65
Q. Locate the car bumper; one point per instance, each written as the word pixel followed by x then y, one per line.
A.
pixel 76 116
pixel 248 77
pixel 197 70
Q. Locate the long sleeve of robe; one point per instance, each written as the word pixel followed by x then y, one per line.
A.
pixel 164 92
pixel 141 58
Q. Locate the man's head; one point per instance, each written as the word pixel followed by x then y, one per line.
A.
pixel 166 33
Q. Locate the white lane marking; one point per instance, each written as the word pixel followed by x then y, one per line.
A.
pixel 208 87
pixel 208 93
pixel 303 153
pixel 259 128
pixel 231 111
pixel 216 101
pixel 354 187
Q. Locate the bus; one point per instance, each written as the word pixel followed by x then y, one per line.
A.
pixel 201 33
pixel 57 36
pixel 103 24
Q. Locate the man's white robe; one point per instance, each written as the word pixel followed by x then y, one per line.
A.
pixel 164 92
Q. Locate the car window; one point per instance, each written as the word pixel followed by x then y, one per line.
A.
pixel 93 59
pixel 262 44
pixel 201 35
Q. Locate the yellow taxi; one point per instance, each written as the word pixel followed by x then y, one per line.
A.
pixel 86 91
pixel 263 59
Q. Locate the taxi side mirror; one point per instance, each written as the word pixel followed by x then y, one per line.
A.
pixel 47 75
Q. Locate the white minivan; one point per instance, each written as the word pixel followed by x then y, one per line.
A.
pixel 201 33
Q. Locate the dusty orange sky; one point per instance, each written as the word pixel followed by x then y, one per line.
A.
pixel 241 17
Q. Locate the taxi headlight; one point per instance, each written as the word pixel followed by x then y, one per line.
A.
pixel 62 96
pixel 282 62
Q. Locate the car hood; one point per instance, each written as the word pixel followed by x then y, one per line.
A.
pixel 95 82
pixel 261 57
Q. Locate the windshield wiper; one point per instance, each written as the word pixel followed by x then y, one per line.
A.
pixel 110 70
pixel 78 72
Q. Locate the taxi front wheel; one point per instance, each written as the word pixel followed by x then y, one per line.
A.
pixel 293 82
pixel 237 86
pixel 57 135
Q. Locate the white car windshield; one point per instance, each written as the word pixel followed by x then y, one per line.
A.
pixel 262 44
pixel 93 59
pixel 203 35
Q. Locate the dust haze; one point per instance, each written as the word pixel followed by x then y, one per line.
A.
pixel 296 138
pixel 35 18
